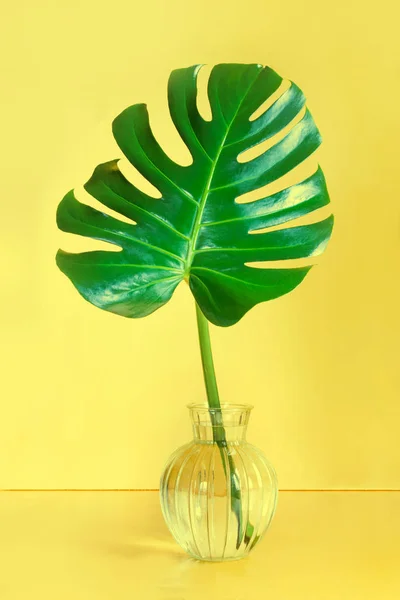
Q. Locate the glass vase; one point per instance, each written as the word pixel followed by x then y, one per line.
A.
pixel 218 493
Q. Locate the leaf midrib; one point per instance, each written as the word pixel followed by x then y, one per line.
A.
pixel 204 196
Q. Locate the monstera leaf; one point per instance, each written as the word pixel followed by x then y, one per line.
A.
pixel 197 231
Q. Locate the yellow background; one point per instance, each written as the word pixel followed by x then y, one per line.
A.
pixel 92 400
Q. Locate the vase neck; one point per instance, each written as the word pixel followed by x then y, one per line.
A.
pixel 227 423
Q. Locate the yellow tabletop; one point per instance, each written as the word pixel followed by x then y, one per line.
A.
pixel 115 545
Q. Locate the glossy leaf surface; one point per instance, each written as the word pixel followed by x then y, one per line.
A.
pixel 197 231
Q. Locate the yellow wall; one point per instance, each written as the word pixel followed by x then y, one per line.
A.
pixel 93 400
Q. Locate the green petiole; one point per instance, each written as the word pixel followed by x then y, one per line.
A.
pixel 219 434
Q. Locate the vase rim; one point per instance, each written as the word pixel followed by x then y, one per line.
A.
pixel 225 406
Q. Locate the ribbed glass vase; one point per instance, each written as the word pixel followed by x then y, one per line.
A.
pixel 218 493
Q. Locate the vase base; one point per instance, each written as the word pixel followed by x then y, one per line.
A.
pixel 217 559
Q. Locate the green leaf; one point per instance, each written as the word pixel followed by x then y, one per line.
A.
pixel 197 231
